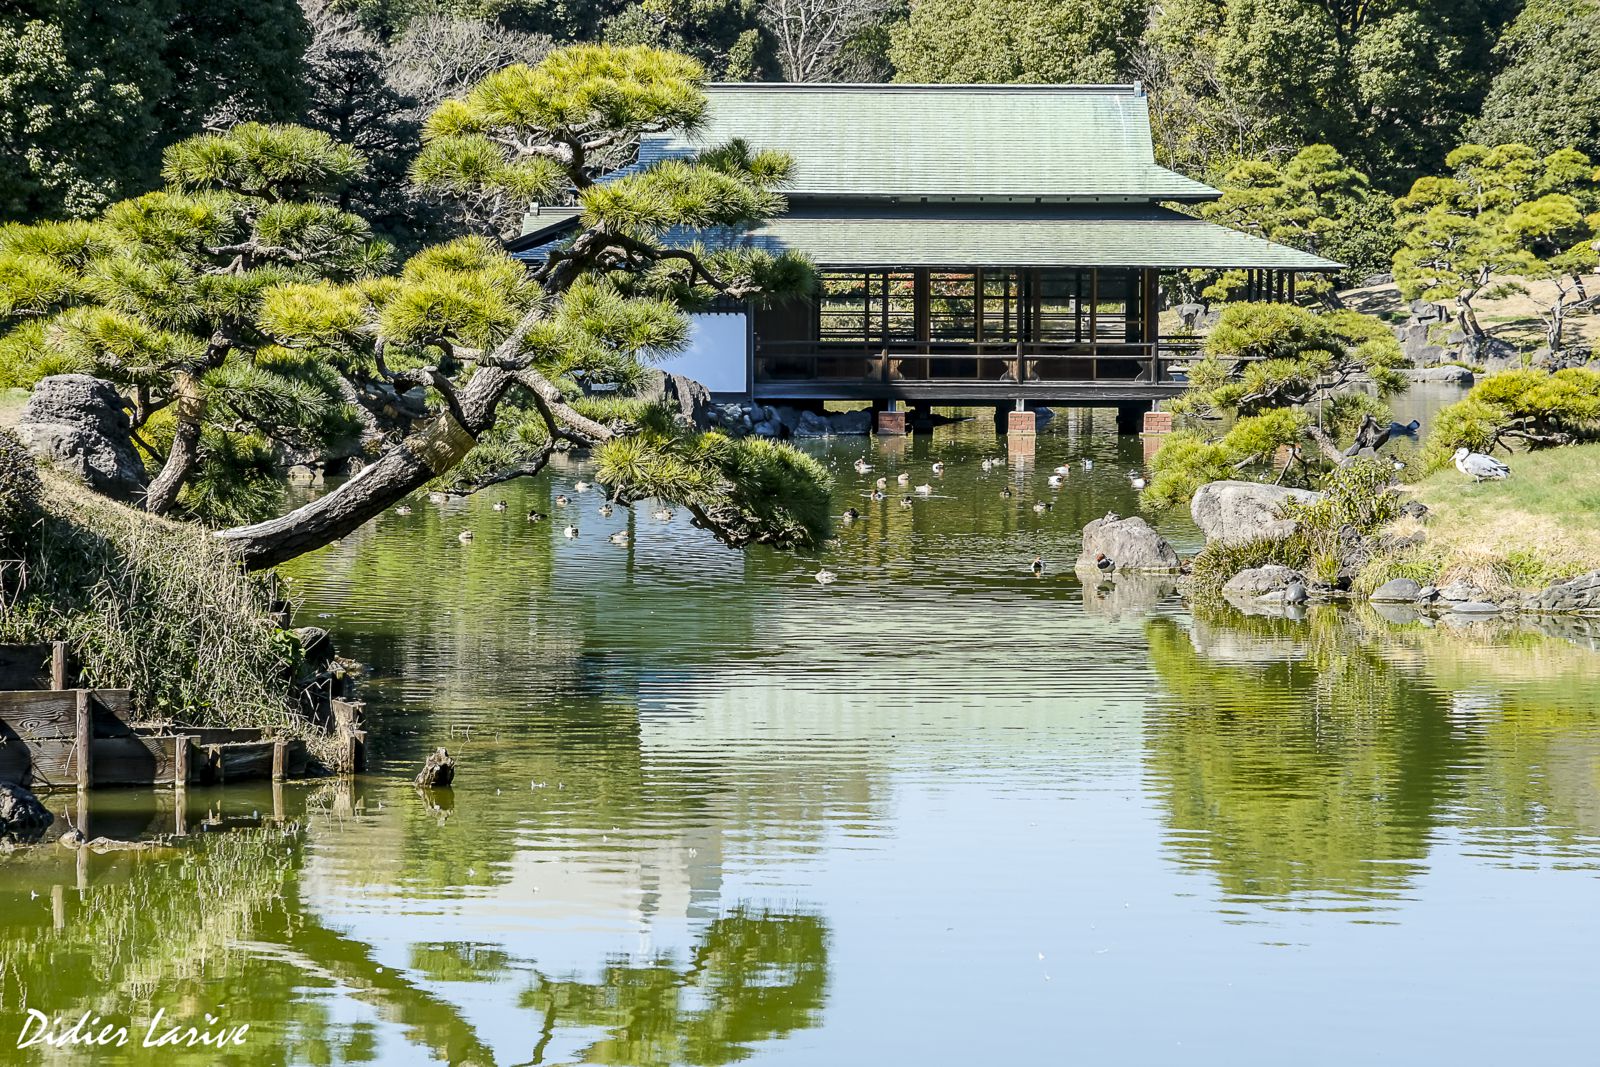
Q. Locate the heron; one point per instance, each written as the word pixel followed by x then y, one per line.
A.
pixel 1480 467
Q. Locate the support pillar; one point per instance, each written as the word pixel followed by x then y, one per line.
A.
pixel 1157 422
pixel 1130 417
pixel 891 423
pixel 1021 424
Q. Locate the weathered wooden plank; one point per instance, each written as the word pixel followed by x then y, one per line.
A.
pixel 58 665
pixel 243 762
pixel 53 763
pixel 15 763
pixel 25 666
pixel 296 757
pixel 346 715
pixel 45 713
pixel 180 762
pixel 133 760
pixel 40 713
pixel 208 735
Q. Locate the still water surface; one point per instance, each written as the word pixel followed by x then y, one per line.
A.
pixel 939 812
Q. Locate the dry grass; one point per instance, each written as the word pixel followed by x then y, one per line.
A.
pixel 153 606
pixel 1513 318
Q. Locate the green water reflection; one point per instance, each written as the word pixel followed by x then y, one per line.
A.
pixel 940 812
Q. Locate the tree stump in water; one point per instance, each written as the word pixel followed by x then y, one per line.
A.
pixel 438 772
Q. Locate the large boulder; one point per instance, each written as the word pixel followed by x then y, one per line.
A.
pixel 1253 583
pixel 1397 591
pixel 1580 594
pixel 78 424
pixel 811 424
pixel 1236 513
pixel 692 399
pixel 1129 543
pixel 22 817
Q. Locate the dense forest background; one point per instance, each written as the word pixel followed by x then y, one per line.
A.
pixel 92 91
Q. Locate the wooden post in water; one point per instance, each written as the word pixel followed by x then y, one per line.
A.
pixel 85 741
pixel 180 763
pixel 58 906
pixel 278 761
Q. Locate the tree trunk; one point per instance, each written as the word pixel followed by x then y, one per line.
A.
pixel 185 451
pixel 399 472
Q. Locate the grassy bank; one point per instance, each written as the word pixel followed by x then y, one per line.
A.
pixel 1540 525
pixel 149 605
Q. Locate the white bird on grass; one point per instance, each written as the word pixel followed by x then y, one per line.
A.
pixel 1480 467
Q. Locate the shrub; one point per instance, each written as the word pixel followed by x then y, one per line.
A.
pixel 20 492
pixel 1539 408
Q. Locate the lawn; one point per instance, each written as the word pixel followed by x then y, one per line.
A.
pixel 1541 523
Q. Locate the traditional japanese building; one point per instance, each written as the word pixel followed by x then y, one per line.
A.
pixel 974 244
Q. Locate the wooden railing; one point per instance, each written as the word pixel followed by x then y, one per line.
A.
pixel 966 361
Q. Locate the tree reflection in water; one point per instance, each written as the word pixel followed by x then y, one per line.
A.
pixel 1316 763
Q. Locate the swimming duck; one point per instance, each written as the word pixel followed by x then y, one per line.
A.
pixel 1038 565
pixel 1103 561
pixel 1055 481
pixel 583 487
pixel 904 479
pixel 883 483
pixel 877 494
pixel 1136 482
pixel 850 515
pixel 664 514
pixel 905 501
pixel 1042 505
pixel 1006 493
pixel 1088 464
pixel 465 537
pixel 500 505
pixel 605 511
pixel 536 516
pixel 826 577
pixel 1063 469
pixel 562 500
pixel 437 498
pixel 862 466
pixel 925 489
pixel 403 509
pixel 938 468
pixel 571 531
pixel 620 538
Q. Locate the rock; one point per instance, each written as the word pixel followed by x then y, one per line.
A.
pixel 1450 373
pixel 1580 594
pixel 1129 543
pixel 768 428
pixel 1398 614
pixel 1373 280
pixel 1236 513
pixel 692 399
pixel 78 424
pixel 1427 311
pixel 1475 607
pixel 1396 591
pixel 1253 583
pixel 22 817
pixel 438 771
pixel 1461 591
pixel 813 425
pixel 1414 509
pixel 1190 316
pixel 852 423
pixel 1427 594
pixel 315 645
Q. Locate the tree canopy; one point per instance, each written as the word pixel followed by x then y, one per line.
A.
pixel 1501 211
pixel 978 41
pixel 1547 92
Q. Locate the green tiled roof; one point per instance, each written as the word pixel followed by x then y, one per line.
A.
pixel 997 142
pixel 958 236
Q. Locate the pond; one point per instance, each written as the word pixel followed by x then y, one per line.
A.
pixel 940 811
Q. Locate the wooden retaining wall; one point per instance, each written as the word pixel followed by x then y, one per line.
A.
pixel 60 738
